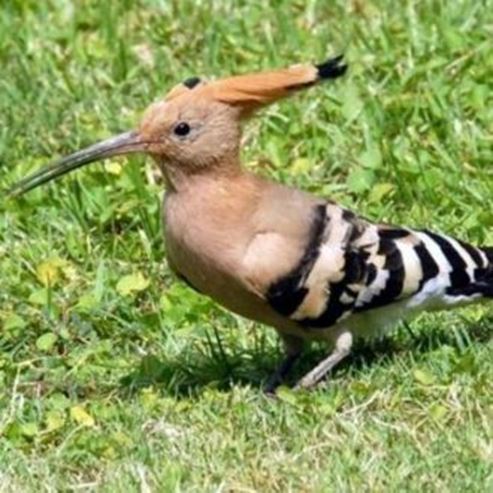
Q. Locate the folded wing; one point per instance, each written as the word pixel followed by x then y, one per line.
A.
pixel 351 266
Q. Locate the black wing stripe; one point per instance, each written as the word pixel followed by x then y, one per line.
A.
pixel 393 233
pixel 489 253
pixel 355 270
pixel 459 277
pixel 394 264
pixel 473 253
pixel 287 294
pixel 474 289
pixel 372 274
pixel 428 265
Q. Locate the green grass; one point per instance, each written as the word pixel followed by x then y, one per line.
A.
pixel 104 387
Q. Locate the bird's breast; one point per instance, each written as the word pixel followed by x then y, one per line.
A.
pixel 207 250
pixel 220 254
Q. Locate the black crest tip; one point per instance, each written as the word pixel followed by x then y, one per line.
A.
pixel 191 82
pixel 332 68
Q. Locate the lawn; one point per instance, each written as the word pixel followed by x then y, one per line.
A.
pixel 114 376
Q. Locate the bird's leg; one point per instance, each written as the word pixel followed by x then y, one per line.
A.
pixel 342 348
pixel 293 347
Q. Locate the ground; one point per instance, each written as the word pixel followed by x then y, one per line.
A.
pixel 114 375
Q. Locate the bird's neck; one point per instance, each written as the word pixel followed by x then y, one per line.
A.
pixel 180 177
pixel 223 198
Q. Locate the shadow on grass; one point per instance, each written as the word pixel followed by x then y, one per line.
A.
pixel 190 374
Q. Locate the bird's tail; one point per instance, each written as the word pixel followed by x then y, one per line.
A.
pixel 489 272
pixel 481 282
pixel 489 253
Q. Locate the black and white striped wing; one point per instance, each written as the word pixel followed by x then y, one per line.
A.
pixel 351 266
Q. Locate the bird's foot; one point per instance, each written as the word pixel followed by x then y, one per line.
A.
pixel 313 378
pixel 277 378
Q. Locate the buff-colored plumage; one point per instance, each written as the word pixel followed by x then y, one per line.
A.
pixel 274 254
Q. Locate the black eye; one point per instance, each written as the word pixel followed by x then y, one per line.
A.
pixel 182 129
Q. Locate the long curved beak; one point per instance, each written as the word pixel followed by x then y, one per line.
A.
pixel 124 143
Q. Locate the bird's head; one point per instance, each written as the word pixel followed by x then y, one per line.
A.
pixel 196 127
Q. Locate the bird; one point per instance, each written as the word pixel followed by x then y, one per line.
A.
pixel 302 264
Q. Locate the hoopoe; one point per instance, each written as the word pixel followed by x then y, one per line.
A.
pixel 304 265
